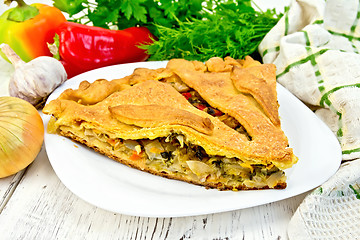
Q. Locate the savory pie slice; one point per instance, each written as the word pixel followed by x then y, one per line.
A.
pixel 214 124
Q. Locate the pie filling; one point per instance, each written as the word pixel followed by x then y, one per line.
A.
pixel 197 101
pixel 174 157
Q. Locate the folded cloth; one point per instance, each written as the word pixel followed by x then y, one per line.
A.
pixel 316 48
pixel 332 211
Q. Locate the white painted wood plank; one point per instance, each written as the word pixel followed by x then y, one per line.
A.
pixel 43 208
pixel 7 187
pixel 4 184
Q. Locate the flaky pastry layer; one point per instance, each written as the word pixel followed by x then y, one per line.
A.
pixel 240 126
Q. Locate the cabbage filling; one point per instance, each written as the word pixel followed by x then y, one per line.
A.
pixel 173 155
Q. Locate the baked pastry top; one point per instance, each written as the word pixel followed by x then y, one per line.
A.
pixel 214 124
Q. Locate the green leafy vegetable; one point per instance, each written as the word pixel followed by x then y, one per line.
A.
pixel 193 30
pixel 229 31
pixel 129 13
pixel 70 6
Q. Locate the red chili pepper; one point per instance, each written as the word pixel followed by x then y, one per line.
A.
pixel 82 47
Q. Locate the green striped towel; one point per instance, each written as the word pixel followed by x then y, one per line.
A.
pixel 315 47
pixel 332 211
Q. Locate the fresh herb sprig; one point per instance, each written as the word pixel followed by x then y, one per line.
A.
pixel 129 13
pixel 193 30
pixel 228 31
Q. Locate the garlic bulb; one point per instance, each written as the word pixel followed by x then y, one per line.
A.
pixel 22 135
pixel 35 80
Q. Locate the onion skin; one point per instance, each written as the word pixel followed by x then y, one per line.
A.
pixel 21 135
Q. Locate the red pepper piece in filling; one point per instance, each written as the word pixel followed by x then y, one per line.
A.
pixel 135 156
pixel 187 95
pixel 218 113
pixel 201 107
pixel 82 47
pixel 212 111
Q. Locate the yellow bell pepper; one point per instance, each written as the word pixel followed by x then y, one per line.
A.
pixel 28 29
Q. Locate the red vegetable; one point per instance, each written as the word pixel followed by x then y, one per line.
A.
pixel 82 47
pixel 201 107
pixel 135 156
pixel 218 113
pixel 187 95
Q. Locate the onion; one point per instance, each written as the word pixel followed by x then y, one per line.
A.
pixel 199 168
pixel 131 144
pixel 21 135
pixel 236 169
pixel 153 149
pixel 275 178
pixel 180 138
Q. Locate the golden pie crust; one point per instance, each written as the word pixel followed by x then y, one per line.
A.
pixel 148 106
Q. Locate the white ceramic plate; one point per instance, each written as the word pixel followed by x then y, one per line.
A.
pixel 118 188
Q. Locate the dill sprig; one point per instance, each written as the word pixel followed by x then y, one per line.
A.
pixel 229 32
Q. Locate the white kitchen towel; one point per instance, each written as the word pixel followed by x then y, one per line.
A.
pixel 316 47
pixel 332 211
